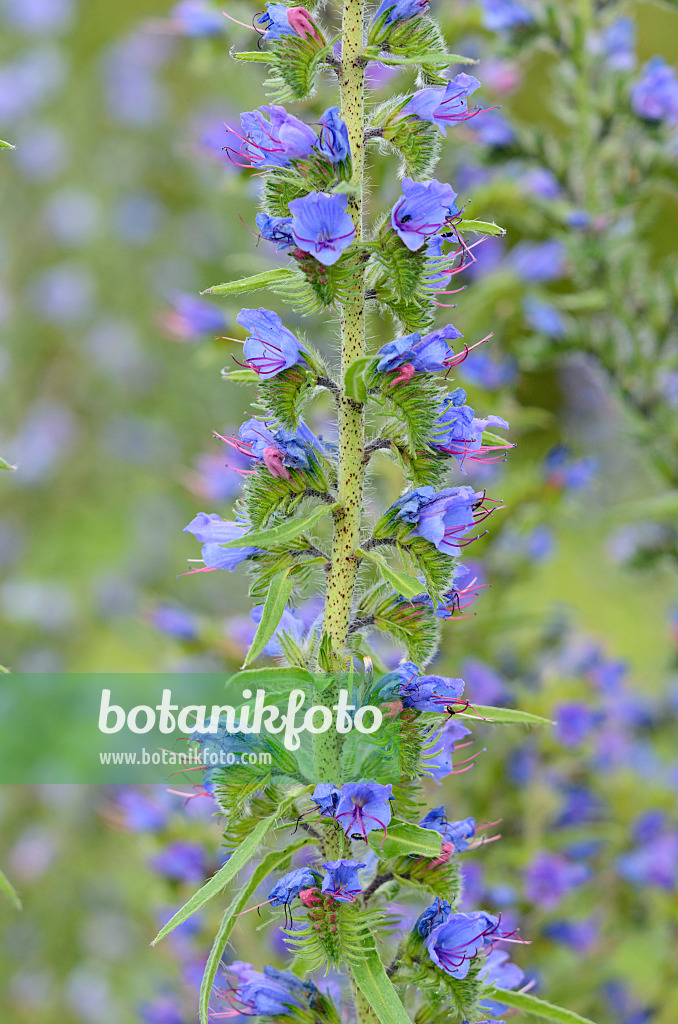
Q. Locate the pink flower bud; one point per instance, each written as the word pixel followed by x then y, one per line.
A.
pixel 301 21
pixel 274 462
pixel 406 373
pixel 310 897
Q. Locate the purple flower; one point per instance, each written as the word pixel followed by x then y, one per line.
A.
pixel 427 354
pixel 276 229
pixel 164 1010
pixel 442 517
pixel 538 261
pixel 326 797
pixel 655 95
pixel 423 210
pixel 174 622
pixel 550 877
pixel 435 915
pixel 363 807
pixel 275 142
pixel 334 142
pixel 191 318
pixel 458 431
pixel 498 970
pixel 271 348
pixel 457 833
pixel 492 129
pixel 274 21
pixel 289 886
pixel 484 684
pixel 574 722
pixel 654 863
pixel 503 15
pixel 269 994
pixel 144 810
pixel 322 226
pixel 181 862
pixel 196 18
pixel 562 471
pixel 212 531
pixel 578 935
pixel 543 316
pixel 424 693
pixel 341 881
pixel 542 182
pixel 37 16
pixel 279 451
pixel 400 10
pixel 455 943
pixel 443 107
pixel 437 757
pixel 488 372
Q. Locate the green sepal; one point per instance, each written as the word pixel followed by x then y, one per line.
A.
pixel 413 41
pixel 294 65
pixel 416 403
pixel 418 143
pixel 284 394
pixel 413 625
pixel 255 56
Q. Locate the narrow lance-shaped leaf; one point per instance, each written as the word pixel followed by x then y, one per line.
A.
pixel 279 592
pixel 251 284
pixel 402 582
pixel 536 1007
pixel 283 533
pixel 433 59
pixel 6 465
pixel 9 890
pixel 6 145
pixel 403 838
pixel 377 987
pixel 354 378
pixel 484 227
pixel 274 861
pixel 505 716
pixel 233 865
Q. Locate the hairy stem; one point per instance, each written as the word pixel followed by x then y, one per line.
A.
pixel 342 574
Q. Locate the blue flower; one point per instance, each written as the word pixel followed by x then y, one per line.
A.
pixel 289 886
pixel 280 449
pixel 326 797
pixel 543 316
pixel 274 21
pixel 457 833
pixel 488 372
pixel 436 759
pixel 453 944
pixel 400 10
pixel 655 95
pixel 503 15
pixel 653 863
pixel 275 142
pixel 174 622
pixel 181 862
pixel 574 722
pixel 492 129
pixel 269 994
pixel 322 226
pixel 334 142
pixel 442 517
pixel 423 210
pixel 562 471
pixel 197 18
pixel 443 107
pixel 191 317
pixel 212 531
pixel 618 44
pixel 435 915
pixel 276 229
pixel 550 877
pixel 424 693
pixel 363 807
pixel 165 1009
pixel 538 261
pixel 341 881
pixel 270 348
pixel 427 354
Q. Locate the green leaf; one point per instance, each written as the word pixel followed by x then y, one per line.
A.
pixel 242 376
pixel 402 582
pixel 252 55
pixel 6 465
pixel 244 853
pixel 483 226
pixel 537 1007
pixel 402 838
pixel 507 716
pixel 6 145
pixel 378 990
pixel 251 284
pixel 283 533
pixel 354 378
pixel 432 59
pixel 273 861
pixel 7 887
pixel 279 592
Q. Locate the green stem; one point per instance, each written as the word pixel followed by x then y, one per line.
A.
pixel 351 471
